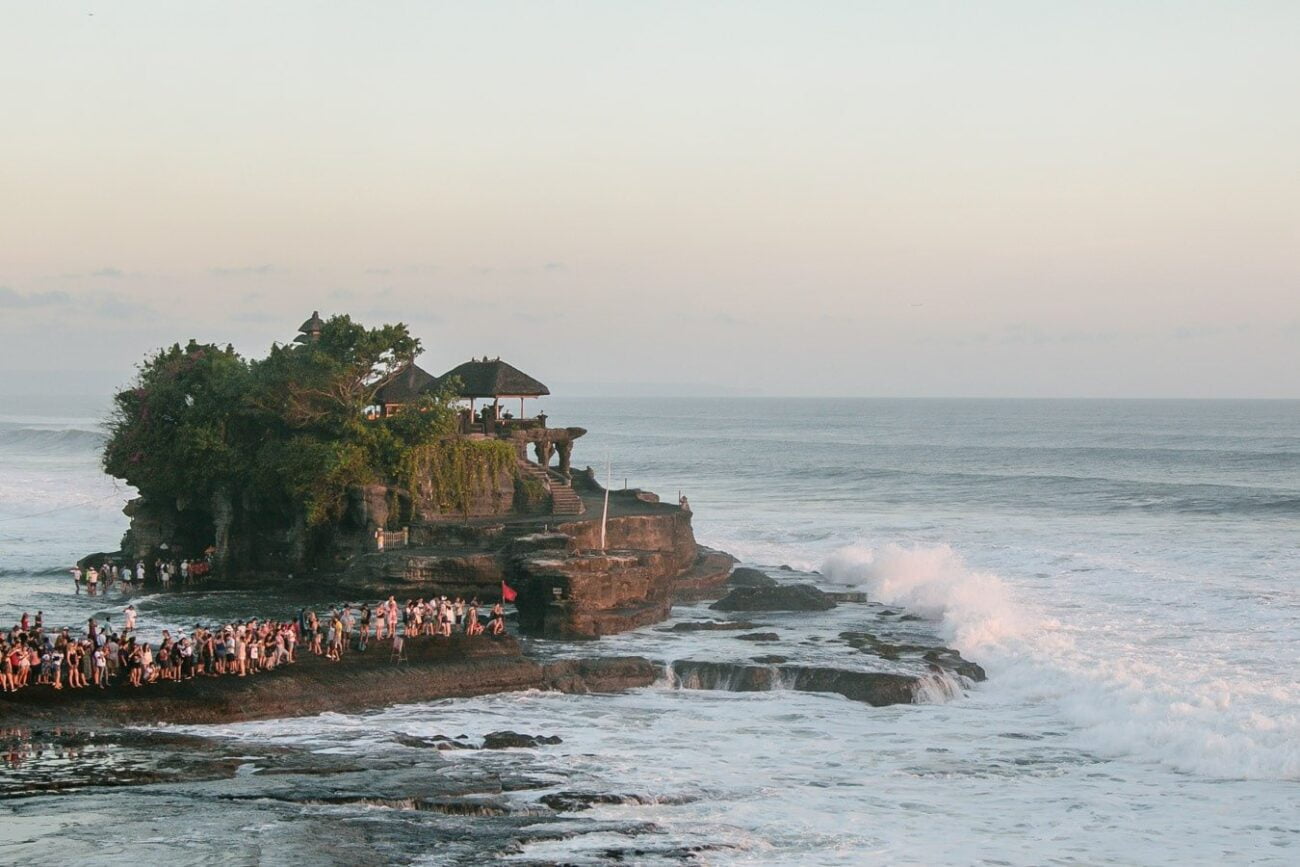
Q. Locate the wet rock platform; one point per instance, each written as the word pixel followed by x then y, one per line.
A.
pixel 431 668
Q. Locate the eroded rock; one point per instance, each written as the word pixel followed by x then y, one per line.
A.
pixel 788 597
pixel 747 577
pixel 711 626
pixel 508 740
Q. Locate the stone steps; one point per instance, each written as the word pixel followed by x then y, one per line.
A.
pixel 564 500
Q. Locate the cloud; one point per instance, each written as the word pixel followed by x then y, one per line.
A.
pixel 110 305
pixel 245 271
pixel 12 299
pixel 254 317
pixel 555 266
pixel 381 272
pixel 112 273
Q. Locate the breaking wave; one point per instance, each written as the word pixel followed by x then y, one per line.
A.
pixel 1124 695
pixel 50 440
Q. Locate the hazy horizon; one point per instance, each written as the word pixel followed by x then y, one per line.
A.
pixel 767 199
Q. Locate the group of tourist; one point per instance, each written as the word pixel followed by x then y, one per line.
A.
pixel 98 579
pixel 30 654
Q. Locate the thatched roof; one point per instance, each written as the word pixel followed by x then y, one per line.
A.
pixel 495 378
pixel 403 386
pixel 315 323
pixel 311 329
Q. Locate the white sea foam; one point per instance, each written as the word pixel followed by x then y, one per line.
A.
pixel 1124 694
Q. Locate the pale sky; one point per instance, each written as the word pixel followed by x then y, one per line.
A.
pixel 894 199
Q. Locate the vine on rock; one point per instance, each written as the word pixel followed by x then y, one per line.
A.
pixel 452 474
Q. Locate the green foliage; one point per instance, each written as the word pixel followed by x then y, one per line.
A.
pixel 530 495
pixel 452 473
pixel 287 431
pixel 174 433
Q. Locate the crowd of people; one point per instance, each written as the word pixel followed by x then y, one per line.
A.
pixel 99 579
pixel 31 654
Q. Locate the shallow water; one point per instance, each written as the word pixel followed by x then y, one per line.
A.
pixel 1125 571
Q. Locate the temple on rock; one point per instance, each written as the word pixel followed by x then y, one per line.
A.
pixel 496 381
pixel 393 506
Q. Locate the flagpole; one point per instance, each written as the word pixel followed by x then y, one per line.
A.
pixel 604 515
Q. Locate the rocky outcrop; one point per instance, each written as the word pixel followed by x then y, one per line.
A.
pixel 871 687
pixel 569 587
pixel 712 626
pixel 747 577
pixel 587 594
pixel 784 597
pixel 508 740
pixel 601 674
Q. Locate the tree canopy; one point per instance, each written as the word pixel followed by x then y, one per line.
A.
pixel 288 429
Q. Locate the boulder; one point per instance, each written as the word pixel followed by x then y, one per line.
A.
pixel 759 636
pixel 953 661
pixel 436 742
pixel 573 802
pixel 789 597
pixel 508 740
pixel 746 577
pixel 711 626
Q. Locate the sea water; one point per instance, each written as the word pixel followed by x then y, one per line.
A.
pixel 1126 572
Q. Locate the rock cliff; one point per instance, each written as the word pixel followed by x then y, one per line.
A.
pixel 568 585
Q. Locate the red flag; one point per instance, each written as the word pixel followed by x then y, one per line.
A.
pixel 508 593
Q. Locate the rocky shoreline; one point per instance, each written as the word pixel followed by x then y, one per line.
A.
pixel 435 668
pixel 575 580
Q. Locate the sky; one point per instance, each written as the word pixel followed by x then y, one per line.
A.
pixel 996 199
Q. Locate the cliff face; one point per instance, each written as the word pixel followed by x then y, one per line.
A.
pixel 582 591
pixel 458 481
pixel 568 586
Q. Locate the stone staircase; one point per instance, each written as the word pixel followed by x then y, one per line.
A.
pixel 564 500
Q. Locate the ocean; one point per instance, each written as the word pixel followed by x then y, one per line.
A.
pixel 1127 572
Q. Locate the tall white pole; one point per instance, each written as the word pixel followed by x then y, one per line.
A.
pixel 604 516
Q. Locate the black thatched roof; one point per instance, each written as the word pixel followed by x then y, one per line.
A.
pixel 407 383
pixel 483 378
pixel 315 323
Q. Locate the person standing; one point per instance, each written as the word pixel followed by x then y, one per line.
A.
pixel 129 613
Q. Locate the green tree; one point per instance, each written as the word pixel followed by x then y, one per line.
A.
pixel 178 433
